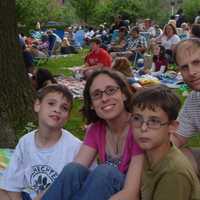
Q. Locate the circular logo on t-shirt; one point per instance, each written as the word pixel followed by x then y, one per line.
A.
pixel 41 177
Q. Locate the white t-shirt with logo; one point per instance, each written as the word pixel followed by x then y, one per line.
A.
pixel 35 168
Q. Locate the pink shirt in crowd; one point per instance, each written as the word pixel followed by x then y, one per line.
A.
pixel 96 138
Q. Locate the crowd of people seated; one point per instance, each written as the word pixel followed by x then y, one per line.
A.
pixel 135 137
pixel 121 39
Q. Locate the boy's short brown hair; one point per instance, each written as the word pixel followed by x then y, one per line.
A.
pixel 158 96
pixel 57 88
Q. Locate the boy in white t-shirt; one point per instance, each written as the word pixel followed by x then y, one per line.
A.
pixel 40 155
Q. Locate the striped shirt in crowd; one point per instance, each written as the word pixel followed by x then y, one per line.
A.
pixel 189 116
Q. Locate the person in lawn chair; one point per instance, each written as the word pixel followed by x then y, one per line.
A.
pixel 136 46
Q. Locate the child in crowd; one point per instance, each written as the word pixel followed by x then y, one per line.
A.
pixel 167 172
pixel 41 154
pixel 159 65
pixel 123 65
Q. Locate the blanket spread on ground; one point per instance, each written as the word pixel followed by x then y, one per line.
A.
pixel 74 85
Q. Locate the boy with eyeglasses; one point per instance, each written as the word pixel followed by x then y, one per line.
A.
pixel 167 172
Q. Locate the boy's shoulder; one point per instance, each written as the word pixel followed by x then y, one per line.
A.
pixel 173 173
pixel 68 143
pixel 28 137
pixel 69 137
pixel 174 162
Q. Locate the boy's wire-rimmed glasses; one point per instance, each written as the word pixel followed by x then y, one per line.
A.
pixel 153 123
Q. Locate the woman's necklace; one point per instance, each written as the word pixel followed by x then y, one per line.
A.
pixel 115 143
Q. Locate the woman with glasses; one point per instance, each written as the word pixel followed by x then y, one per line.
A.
pixel 107 104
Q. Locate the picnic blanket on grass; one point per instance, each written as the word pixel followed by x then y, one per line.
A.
pixel 74 85
pixel 5 156
pixel 170 79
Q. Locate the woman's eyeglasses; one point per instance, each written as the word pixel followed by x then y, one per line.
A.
pixel 109 91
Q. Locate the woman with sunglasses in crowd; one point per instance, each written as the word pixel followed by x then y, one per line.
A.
pixel 107 102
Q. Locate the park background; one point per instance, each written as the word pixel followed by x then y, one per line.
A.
pixel 16 95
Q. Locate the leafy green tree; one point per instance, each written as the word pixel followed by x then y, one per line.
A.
pixel 84 8
pixel 157 10
pixel 106 11
pixel 191 9
pixel 31 11
pixel 132 10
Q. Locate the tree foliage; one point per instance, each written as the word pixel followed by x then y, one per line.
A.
pixel 132 10
pixel 105 12
pixel 158 10
pixel 31 11
pixel 99 11
pixel 191 9
pixel 84 8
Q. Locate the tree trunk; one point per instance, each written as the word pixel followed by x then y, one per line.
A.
pixel 15 88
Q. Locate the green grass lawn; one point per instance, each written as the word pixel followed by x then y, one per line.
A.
pixel 59 66
pixel 76 122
